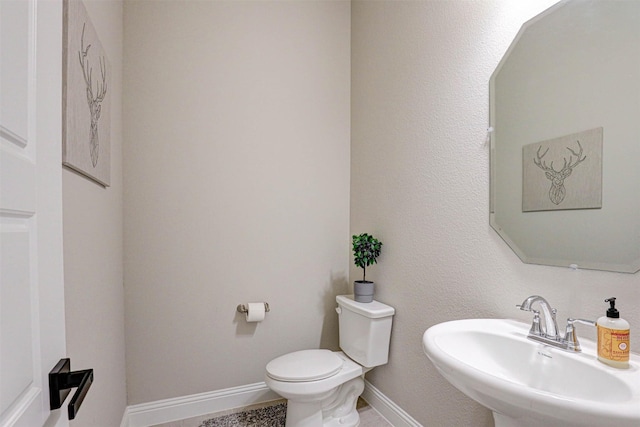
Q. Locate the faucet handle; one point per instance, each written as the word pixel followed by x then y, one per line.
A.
pixel 536 329
pixel 535 324
pixel 570 336
pixel 583 321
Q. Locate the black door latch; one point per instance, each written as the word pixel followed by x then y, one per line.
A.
pixel 62 380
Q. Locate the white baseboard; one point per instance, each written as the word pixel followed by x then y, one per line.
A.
pixel 387 408
pixel 164 411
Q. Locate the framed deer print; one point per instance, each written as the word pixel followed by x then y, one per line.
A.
pixel 563 173
pixel 86 104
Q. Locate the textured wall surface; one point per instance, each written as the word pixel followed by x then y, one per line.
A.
pixel 92 223
pixel 420 182
pixel 236 178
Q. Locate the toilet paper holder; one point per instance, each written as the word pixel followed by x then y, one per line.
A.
pixel 243 308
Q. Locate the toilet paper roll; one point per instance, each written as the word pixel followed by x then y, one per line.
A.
pixel 255 312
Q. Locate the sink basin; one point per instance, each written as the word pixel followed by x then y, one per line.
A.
pixel 526 383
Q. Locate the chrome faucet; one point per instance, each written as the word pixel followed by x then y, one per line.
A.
pixel 548 332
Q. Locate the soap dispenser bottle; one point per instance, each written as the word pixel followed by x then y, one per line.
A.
pixel 613 337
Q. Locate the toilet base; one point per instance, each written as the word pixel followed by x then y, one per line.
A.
pixel 337 409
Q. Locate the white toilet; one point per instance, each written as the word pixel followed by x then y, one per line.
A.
pixel 322 386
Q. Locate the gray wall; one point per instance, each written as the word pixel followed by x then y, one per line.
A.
pixel 420 182
pixel 236 171
pixel 92 224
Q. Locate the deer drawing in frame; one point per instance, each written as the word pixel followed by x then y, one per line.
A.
pixel 557 192
pixel 93 99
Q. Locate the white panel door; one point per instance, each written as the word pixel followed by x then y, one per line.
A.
pixel 32 337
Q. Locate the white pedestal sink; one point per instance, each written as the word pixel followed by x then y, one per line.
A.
pixel 529 384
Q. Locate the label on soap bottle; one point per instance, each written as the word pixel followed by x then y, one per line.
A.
pixel 613 344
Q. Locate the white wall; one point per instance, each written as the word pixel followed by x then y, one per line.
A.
pixel 420 182
pixel 92 224
pixel 236 171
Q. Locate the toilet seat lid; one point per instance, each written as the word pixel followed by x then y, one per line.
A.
pixel 305 365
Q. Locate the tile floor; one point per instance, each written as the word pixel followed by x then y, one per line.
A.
pixel 369 417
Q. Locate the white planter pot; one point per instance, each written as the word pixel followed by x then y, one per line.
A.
pixel 363 291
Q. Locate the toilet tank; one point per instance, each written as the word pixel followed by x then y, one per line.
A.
pixel 365 330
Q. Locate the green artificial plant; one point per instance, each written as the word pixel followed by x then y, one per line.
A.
pixel 366 249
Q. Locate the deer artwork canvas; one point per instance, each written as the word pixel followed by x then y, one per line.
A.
pixel 86 105
pixel 563 173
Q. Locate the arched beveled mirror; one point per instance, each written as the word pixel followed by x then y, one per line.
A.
pixel 565 146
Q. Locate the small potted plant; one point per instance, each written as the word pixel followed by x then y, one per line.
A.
pixel 366 249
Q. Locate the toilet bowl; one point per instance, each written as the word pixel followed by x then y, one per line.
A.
pixel 322 387
pixel 327 397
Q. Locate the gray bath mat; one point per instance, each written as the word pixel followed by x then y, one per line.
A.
pixel 269 416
